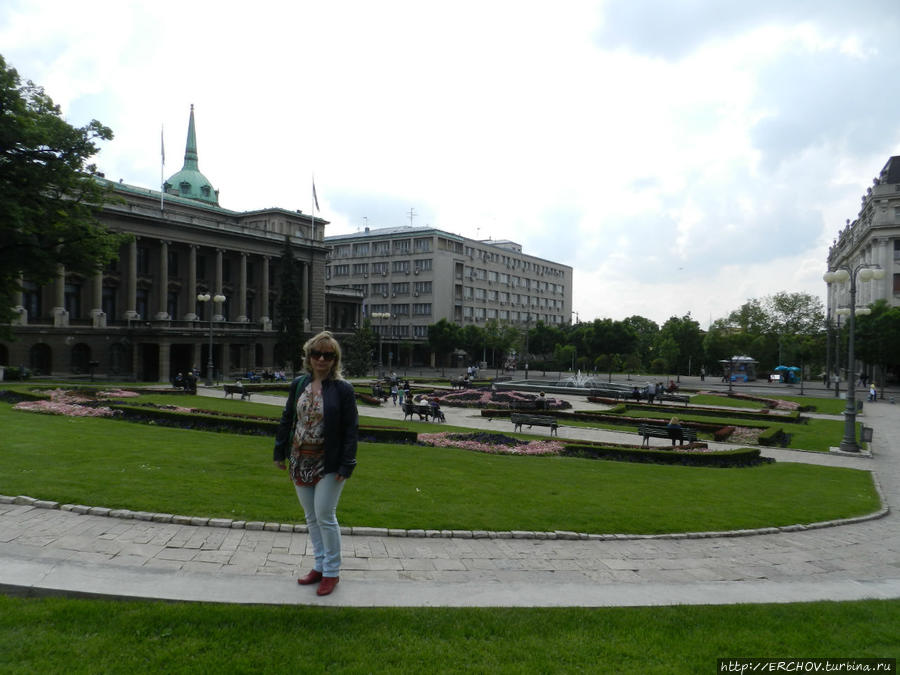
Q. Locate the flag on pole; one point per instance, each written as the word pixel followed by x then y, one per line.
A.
pixel 315 197
pixel 162 167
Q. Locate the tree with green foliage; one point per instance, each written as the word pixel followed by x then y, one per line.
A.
pixel 359 350
pixel 542 339
pixel 443 338
pixel 289 309
pixel 681 344
pixel 49 198
pixel 645 332
pixel 472 340
pixel 877 337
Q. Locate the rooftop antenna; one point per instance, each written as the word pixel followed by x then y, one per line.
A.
pixel 365 223
pixel 412 213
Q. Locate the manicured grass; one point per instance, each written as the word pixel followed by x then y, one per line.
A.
pixel 143 467
pixel 90 636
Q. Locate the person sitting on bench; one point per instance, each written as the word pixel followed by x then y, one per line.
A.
pixel 674 428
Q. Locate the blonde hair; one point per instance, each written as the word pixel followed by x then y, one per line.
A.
pixel 327 338
pixel 674 420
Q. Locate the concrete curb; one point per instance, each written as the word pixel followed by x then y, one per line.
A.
pixel 227 523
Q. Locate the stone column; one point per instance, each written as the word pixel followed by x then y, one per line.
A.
pixel 165 350
pixel 60 315
pixel 131 300
pixel 191 314
pixel 264 319
pixel 163 283
pixel 218 282
pixel 242 291
pixel 18 307
pixel 97 315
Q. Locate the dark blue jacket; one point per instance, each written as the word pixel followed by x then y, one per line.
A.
pixel 341 421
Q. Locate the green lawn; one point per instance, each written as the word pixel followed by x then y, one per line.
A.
pixel 143 467
pixel 93 636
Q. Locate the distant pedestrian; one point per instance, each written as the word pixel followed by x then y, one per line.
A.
pixel 873 394
pixel 400 393
pixel 394 392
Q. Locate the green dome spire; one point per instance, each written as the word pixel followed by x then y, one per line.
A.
pixel 189 182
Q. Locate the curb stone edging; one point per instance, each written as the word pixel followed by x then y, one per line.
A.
pixel 200 521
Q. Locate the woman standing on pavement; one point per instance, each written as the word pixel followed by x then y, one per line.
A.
pixel 317 434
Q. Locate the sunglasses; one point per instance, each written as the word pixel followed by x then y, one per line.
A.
pixel 316 354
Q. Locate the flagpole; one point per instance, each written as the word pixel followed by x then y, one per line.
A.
pixel 312 206
pixel 162 167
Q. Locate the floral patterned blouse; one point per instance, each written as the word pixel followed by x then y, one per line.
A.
pixel 307 463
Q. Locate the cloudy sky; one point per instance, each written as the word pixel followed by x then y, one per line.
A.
pixel 681 155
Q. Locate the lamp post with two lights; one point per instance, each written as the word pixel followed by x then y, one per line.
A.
pixel 218 298
pixel 843 274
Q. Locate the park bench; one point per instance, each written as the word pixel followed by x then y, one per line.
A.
pixel 678 398
pixel 648 431
pixel 232 389
pixel 424 411
pixel 534 420
pixel 459 383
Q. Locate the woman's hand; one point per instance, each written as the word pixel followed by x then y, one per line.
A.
pixel 338 477
pixel 280 465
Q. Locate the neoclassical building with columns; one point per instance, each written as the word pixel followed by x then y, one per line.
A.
pixel 140 318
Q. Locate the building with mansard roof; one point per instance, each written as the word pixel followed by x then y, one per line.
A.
pixel 141 318
pixel 873 238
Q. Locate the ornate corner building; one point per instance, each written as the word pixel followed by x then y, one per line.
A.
pixel 873 239
pixel 142 317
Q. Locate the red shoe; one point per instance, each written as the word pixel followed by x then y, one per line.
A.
pixel 313 577
pixel 327 585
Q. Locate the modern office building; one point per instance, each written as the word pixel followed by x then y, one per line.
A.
pixel 872 238
pixel 412 277
pixel 153 313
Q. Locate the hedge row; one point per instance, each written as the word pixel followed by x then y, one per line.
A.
pixel 209 421
pixel 728 459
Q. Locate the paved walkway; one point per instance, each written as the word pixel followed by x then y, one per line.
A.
pixel 53 551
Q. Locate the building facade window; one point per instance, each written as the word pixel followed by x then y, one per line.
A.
pixel 31 300
pixel 422 309
pixel 400 267
pixel 109 302
pixel 73 300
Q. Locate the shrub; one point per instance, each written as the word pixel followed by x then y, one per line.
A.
pixel 741 457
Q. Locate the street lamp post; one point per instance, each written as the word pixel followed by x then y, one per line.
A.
pixel 837 357
pixel 219 298
pixel 842 274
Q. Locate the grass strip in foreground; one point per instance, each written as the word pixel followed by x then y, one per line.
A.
pixel 55 635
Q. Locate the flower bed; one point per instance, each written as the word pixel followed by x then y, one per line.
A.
pixel 495 444
pixel 484 397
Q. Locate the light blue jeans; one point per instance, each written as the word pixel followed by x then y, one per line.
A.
pixel 320 505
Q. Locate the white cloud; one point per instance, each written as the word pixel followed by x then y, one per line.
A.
pixel 683 157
